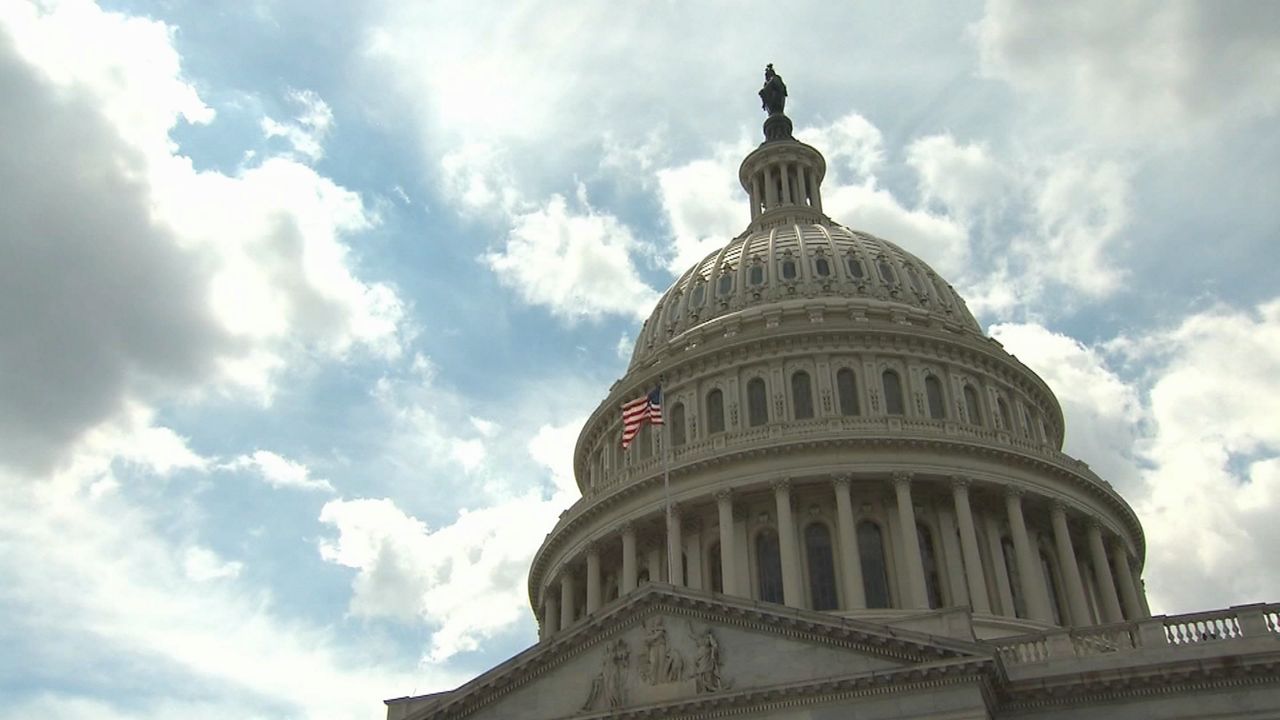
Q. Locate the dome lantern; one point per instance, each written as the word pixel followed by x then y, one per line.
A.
pixel 782 177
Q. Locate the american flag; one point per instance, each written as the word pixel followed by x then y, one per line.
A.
pixel 646 408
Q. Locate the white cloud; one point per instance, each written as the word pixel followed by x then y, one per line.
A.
pixel 1196 429
pixel 576 264
pixel 1142 71
pixel 308 130
pixel 136 277
pixel 704 205
pixel 962 178
pixel 466 579
pixel 279 472
pixel 202 565
pixel 1103 413
pixel 116 588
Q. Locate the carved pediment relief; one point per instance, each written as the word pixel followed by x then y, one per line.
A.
pixel 664 646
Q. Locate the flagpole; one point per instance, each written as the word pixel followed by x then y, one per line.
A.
pixel 674 553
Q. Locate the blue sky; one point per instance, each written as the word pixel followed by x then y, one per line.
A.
pixel 304 303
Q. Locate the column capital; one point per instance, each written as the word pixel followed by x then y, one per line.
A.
pixel 1094 524
pixel 1059 508
pixel 627 527
pixel 724 494
pixel 843 481
pixel 961 482
pixel 783 484
pixel 902 477
pixel 672 509
pixel 1013 492
pixel 591 547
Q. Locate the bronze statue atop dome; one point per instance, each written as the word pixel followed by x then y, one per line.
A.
pixel 773 96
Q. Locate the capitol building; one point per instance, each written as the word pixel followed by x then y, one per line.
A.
pixel 857 507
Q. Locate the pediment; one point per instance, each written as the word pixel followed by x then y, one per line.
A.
pixel 663 646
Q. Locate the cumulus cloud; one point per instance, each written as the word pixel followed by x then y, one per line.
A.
pixel 576 264
pixel 1187 438
pixel 1103 412
pixel 308 129
pixel 278 471
pixel 1142 71
pixel 132 276
pixel 465 579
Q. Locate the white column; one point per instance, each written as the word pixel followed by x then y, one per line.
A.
pixel 550 615
pixel 815 190
pixel 693 552
pixel 728 553
pixel 956 582
pixel 566 599
pixel 999 567
pixel 629 565
pixel 1034 592
pixel 1070 566
pixel 855 593
pixel 802 185
pixel 756 200
pixel 655 563
pixel 969 546
pixel 784 170
pixel 675 549
pixel 770 189
pixel 593 578
pixel 1124 578
pixel 916 595
pixel 792 589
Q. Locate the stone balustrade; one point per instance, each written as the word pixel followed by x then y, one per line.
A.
pixel 1162 631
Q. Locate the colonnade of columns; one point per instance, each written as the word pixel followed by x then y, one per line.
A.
pixel 784 183
pixel 1118 596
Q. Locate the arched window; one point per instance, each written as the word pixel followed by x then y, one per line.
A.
pixel 847 390
pixel 821 267
pixel 1051 585
pixel 788 269
pixel 1027 425
pixel 757 403
pixel 756 274
pixel 971 405
pixel 911 279
pixel 715 411
pixel 1015 578
pixel 714 569
pixel 892 393
pixel 699 293
pixel 822 566
pixel 875 578
pixel 769 566
pixel 929 559
pixel 854 265
pixel 724 285
pixel 610 587
pixel 933 392
pixel 802 395
pixel 1003 409
pixel 642 577
pixel 886 272
pixel 678 436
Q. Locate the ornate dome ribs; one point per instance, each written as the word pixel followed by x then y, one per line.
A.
pixel 799 263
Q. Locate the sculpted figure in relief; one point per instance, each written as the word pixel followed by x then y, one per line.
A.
pixel 706 671
pixel 661 663
pixel 611 684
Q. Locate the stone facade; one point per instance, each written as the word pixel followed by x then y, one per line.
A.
pixel 858 503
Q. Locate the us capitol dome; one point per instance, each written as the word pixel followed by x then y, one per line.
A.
pixel 862 507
